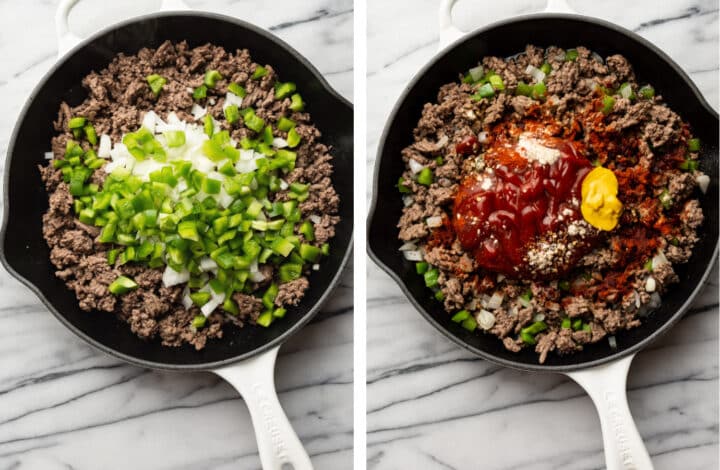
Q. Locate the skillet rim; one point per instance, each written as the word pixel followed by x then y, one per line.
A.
pixel 204 366
pixel 536 367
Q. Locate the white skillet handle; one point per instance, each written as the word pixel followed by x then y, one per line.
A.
pixel 449 33
pixel 278 445
pixel 606 385
pixel 67 39
pixel 558 6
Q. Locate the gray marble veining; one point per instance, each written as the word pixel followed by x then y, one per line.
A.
pixel 432 405
pixel 64 405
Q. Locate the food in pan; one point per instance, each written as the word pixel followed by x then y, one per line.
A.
pixel 549 197
pixel 189 190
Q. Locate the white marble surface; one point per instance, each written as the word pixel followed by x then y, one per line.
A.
pixel 433 406
pixel 65 406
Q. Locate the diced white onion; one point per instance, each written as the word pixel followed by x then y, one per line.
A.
pixel 650 284
pixel 211 101
pixel 143 169
pixel 524 302
pixel 150 120
pixel 247 154
pixel 207 264
pixel 626 92
pixel 283 185
pixel 279 142
pixel 408 200
pixel 539 317
pixel 536 73
pixel 257 277
pixel 120 151
pixel 224 198
pixel 408 246
pixel 655 300
pixel 413 255
pixel 485 319
pixel 316 267
pixel 659 260
pixel 442 142
pixel 476 73
pixel 215 301
pixel 246 166
pixel 415 167
pixel 314 218
pixel 216 175
pixel 612 341
pixel 186 300
pixel 255 274
pixel 118 163
pixel 48 155
pixel 198 111
pixel 435 221
pixel 171 277
pixel 105 146
pixel 173 118
pixel 495 301
pixel 230 99
pixel 482 137
pixel 703 182
pixel 173 124
pixel 638 302
pixel 500 277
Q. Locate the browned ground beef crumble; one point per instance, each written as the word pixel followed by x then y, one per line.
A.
pixel 641 140
pixel 118 98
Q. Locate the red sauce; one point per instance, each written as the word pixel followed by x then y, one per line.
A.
pixel 498 220
pixel 467 146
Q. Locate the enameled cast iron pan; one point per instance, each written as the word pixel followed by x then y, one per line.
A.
pixel 598 368
pixel 245 357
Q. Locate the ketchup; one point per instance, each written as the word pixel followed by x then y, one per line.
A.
pixel 498 214
pixel 468 145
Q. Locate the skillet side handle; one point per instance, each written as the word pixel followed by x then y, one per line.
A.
pixel 278 445
pixel 606 385
pixel 173 5
pixel 66 39
pixel 449 33
pixel 558 6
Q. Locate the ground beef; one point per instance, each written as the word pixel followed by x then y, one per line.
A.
pixel 250 306
pixel 291 293
pixel 608 286
pixel 117 99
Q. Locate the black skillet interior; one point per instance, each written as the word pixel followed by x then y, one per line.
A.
pixel 506 39
pixel 25 253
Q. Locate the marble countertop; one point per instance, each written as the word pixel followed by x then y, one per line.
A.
pixel 432 405
pixel 64 405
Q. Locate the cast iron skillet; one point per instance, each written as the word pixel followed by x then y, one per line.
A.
pixel 25 254
pixel 508 38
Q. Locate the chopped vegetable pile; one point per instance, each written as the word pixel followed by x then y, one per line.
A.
pixel 190 198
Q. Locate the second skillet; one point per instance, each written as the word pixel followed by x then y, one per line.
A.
pixel 600 370
pixel 244 357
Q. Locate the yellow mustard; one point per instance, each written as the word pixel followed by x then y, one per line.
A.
pixel 600 206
